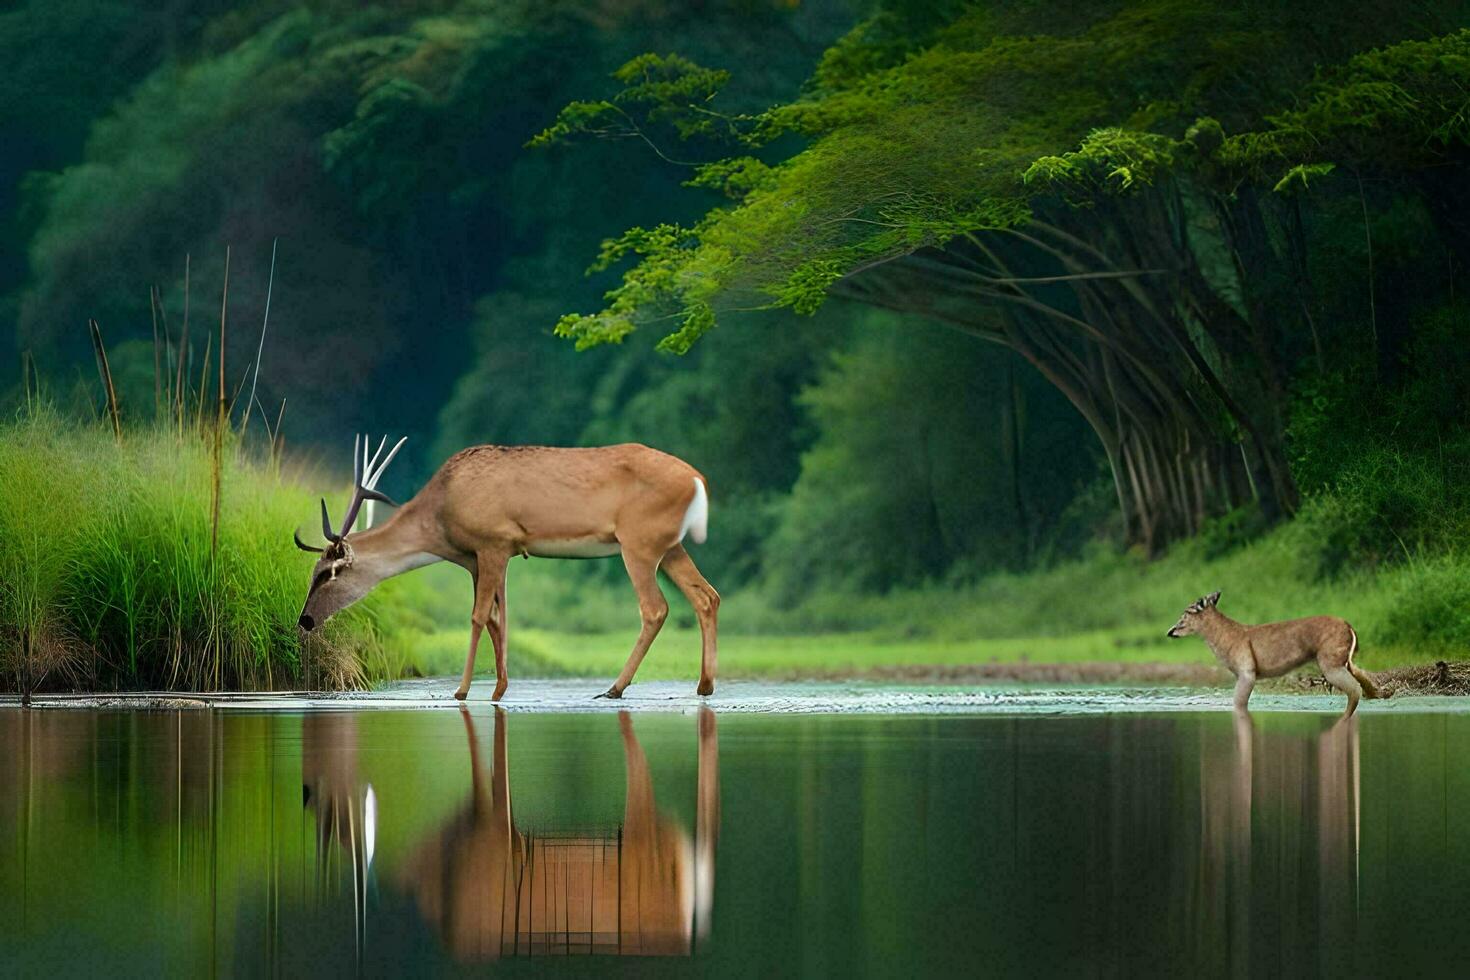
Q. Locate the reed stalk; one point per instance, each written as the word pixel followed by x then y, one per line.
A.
pixel 106 372
pixel 169 354
pixel 260 348
pixel 221 420
pixel 183 349
pixel 157 388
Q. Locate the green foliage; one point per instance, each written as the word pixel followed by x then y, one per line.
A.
pixel 663 248
pixel 806 289
pixel 953 127
pixel 107 577
pixel 666 89
pixel 382 144
pixel 1300 177
pixel 1400 106
pixel 910 477
pixel 1391 465
pixel 1429 612
pixel 736 178
pixel 422 251
pixel 1110 160
pixel 1102 606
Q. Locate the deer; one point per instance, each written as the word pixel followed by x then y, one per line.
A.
pixel 488 504
pixel 1273 649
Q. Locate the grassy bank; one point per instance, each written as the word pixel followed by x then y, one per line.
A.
pixel 109 580
pixel 111 577
pixel 572 620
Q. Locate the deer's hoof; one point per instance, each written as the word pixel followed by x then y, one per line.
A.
pixel 705 688
pixel 499 693
pixel 461 694
pixel 612 693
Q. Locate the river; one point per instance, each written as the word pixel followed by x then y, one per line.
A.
pixel 380 839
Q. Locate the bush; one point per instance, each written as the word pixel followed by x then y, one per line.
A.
pixel 1385 505
pixel 1430 608
pixel 108 576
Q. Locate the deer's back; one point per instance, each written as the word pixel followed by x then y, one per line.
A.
pixel 524 493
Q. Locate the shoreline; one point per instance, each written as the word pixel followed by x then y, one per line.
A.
pixel 1442 678
pixel 993 683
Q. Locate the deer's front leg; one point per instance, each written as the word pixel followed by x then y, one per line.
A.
pixel 489 578
pixel 469 661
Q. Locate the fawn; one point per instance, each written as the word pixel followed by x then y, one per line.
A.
pixel 1273 649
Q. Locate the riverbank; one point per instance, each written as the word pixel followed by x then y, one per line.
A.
pixel 126 590
pixel 862 696
pixel 1098 657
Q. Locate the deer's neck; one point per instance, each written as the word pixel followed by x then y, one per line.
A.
pixel 398 545
pixel 1221 633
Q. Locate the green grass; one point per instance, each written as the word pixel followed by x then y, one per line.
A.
pixel 108 580
pixel 108 577
pixel 675 656
pixel 571 621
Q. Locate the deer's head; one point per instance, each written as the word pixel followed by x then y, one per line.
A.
pixel 339 579
pixel 1189 622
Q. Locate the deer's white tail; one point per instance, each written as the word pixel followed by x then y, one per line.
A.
pixel 1370 688
pixel 696 517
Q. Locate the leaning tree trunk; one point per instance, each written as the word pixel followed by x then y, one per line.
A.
pixel 1122 322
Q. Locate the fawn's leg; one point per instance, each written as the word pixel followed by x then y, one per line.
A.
pixel 652 606
pixel 680 569
pixel 1245 682
pixel 1343 679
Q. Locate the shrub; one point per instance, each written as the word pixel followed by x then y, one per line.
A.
pixel 108 574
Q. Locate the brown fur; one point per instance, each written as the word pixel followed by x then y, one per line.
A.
pixel 1273 649
pixel 488 504
pixel 492 889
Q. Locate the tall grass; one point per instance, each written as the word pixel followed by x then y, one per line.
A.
pixel 157 555
pixel 108 578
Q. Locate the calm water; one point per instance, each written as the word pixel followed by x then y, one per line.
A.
pixel 383 841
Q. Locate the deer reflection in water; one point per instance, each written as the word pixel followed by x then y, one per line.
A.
pixel 491 889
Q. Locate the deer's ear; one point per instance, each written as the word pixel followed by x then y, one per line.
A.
pixel 1212 599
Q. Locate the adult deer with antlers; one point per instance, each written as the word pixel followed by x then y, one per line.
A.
pixel 488 504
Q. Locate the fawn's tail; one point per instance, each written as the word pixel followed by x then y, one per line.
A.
pixel 1370 689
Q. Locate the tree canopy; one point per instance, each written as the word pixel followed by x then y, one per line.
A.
pixel 1113 190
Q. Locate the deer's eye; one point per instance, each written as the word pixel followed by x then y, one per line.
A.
pixel 322 577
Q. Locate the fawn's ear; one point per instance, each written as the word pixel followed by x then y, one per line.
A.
pixel 1212 599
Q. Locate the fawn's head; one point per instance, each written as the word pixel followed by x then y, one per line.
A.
pixel 338 579
pixel 1189 622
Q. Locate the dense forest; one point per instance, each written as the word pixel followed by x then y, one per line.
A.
pixel 930 291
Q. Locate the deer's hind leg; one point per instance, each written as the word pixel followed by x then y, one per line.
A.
pixel 499 628
pixel 680 569
pixel 652 607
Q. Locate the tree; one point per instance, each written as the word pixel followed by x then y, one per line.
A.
pixel 1073 196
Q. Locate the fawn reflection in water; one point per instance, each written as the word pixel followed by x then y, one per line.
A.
pixel 490 889
pixel 1291 873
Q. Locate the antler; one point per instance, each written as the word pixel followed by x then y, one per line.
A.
pixel 365 476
